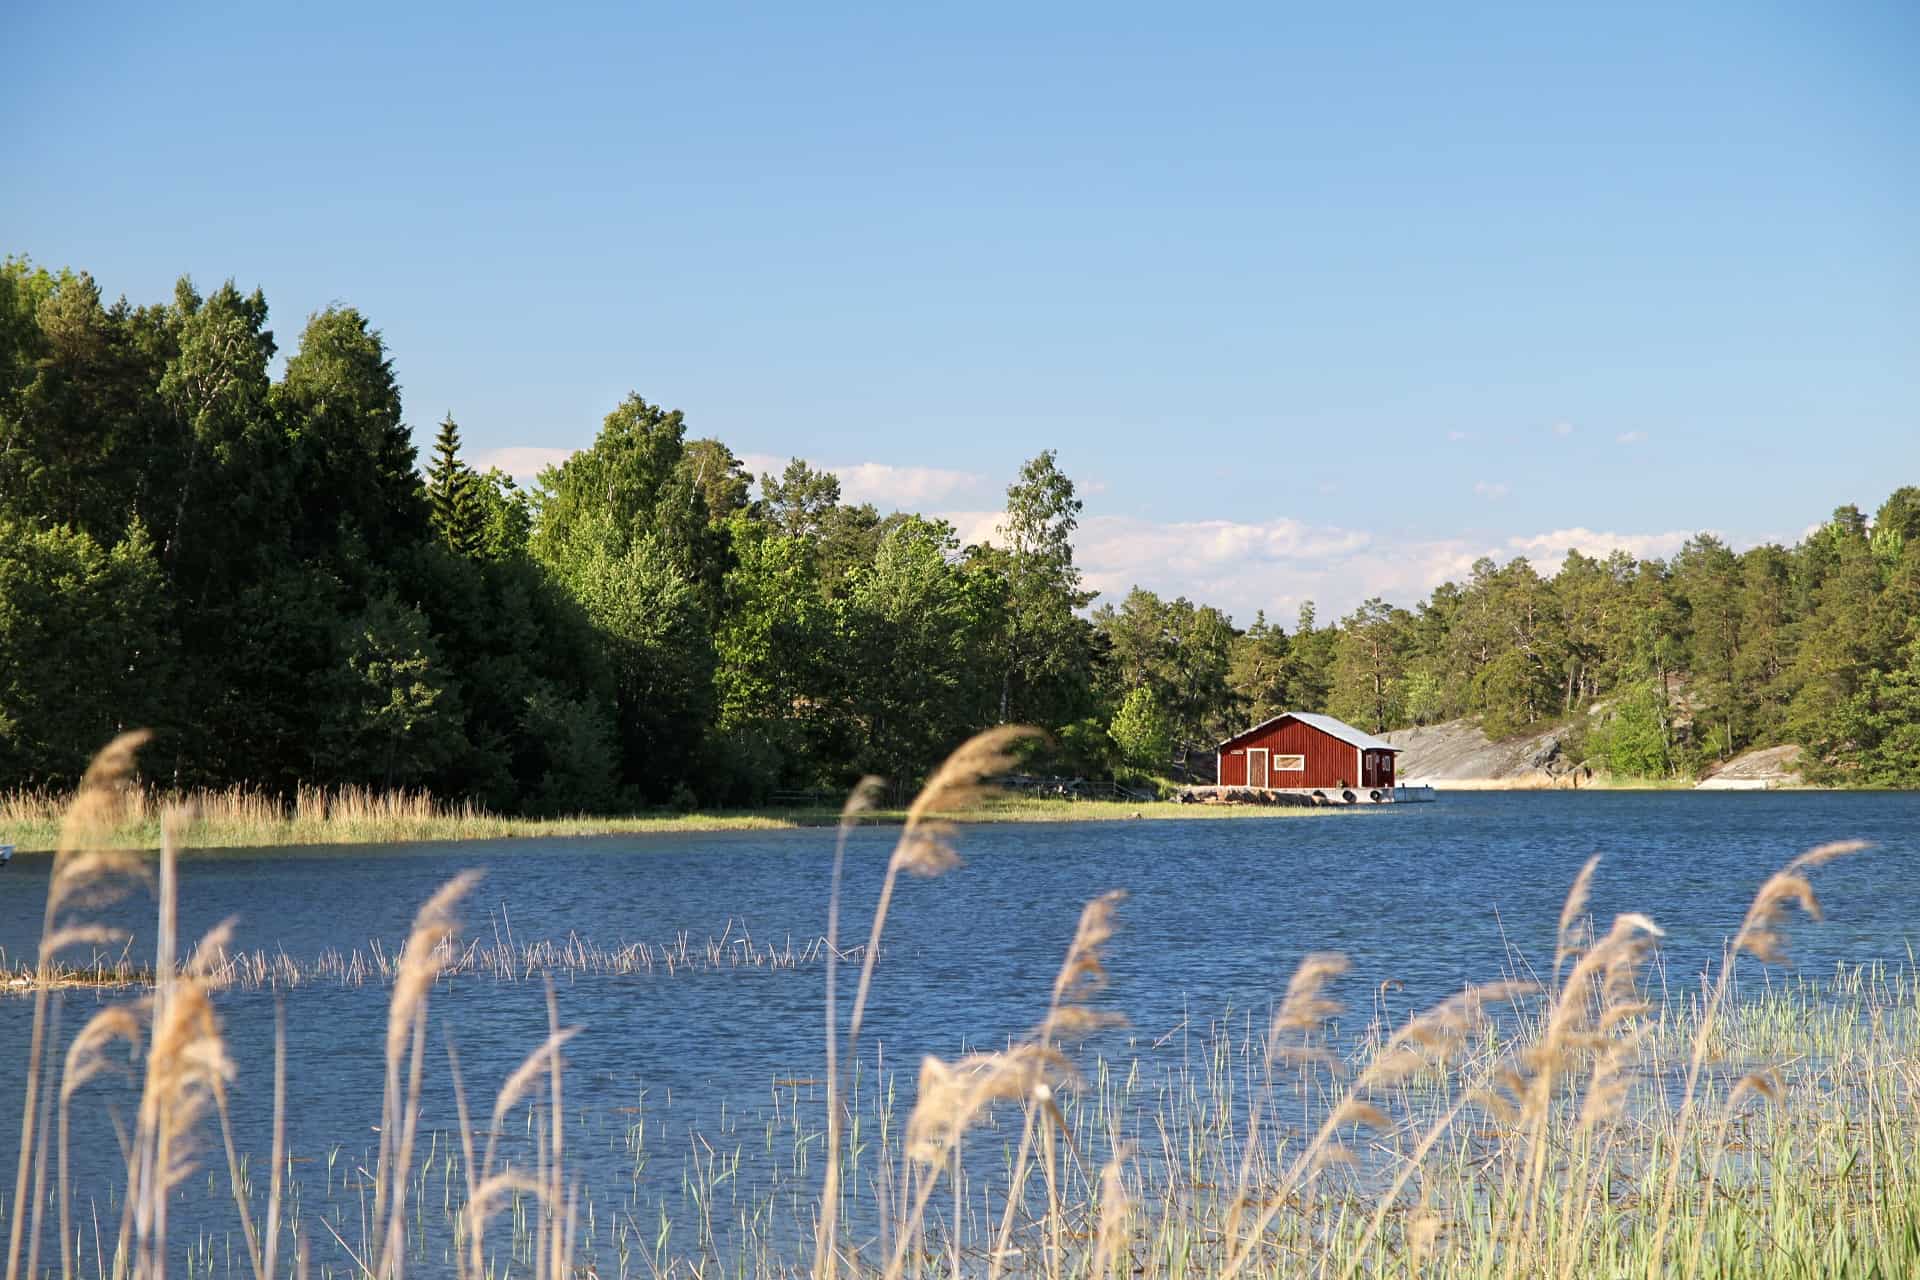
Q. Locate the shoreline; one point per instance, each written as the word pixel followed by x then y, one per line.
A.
pixel 1541 783
pixel 37 838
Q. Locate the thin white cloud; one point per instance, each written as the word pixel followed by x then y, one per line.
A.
pixel 974 527
pixel 762 464
pixel 524 462
pixel 906 487
pixel 1274 565
pixel 884 485
pixel 1455 437
pixel 1492 490
pixel 1244 566
pixel 1548 550
pixel 1563 429
pixel 1630 437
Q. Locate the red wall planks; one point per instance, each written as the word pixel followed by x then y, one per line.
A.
pixel 1330 763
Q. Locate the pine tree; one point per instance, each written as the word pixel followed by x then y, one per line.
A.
pixel 459 515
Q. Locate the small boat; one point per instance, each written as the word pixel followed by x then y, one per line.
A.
pixel 6 854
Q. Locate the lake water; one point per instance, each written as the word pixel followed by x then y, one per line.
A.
pixel 1433 896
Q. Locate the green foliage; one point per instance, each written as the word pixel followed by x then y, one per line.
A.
pixel 1634 739
pixel 1422 698
pixel 80 419
pixel 1043 642
pixel 83 651
pixel 1313 657
pixel 1369 666
pixel 912 630
pixel 1142 732
pixel 507 516
pixel 356 485
pixel 575 750
pixel 1184 654
pixel 1261 671
pixel 1707 580
pixel 621 481
pixel 776 675
pixel 717 476
pixel 1082 749
pixel 398 721
pixel 655 642
pixel 1877 738
pixel 457 499
pixel 800 500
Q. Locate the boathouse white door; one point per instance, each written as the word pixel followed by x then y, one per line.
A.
pixel 1257 767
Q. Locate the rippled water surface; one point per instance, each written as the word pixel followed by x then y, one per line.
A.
pixel 1431 895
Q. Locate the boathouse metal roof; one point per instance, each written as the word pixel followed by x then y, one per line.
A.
pixel 1326 724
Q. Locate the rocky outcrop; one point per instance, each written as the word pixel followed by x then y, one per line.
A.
pixel 1762 769
pixel 1458 754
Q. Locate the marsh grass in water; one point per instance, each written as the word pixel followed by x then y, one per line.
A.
pixel 1570 1122
pixel 500 959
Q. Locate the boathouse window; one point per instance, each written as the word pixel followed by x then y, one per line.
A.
pixel 1289 764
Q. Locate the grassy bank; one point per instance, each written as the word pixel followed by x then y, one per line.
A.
pixel 245 819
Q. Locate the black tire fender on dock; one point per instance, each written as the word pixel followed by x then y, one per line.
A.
pixel 1374 796
pixel 1348 796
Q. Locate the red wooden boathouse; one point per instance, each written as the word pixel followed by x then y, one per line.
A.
pixel 1301 752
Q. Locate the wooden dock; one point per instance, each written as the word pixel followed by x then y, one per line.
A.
pixel 1306 798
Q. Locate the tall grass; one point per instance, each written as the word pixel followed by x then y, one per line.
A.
pixel 247 816
pixel 1570 1125
pixel 243 817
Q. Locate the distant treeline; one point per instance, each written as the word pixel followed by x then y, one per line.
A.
pixel 261 571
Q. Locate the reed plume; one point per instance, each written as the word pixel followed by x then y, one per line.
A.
pixel 420 963
pixel 1303 1011
pixel 1761 935
pixel 83 876
pixel 1762 932
pixel 951 1096
pixel 1082 975
pixel 926 844
pixel 1435 1036
pixel 863 797
pixel 924 848
pixel 485 1187
pixel 87 1059
pixel 1112 1237
pixel 1572 933
pixel 185 1056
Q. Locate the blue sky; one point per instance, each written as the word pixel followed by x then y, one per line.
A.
pixel 1313 302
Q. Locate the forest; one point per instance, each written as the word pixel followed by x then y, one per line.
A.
pixel 264 571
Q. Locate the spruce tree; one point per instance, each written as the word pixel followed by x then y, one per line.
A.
pixel 459 516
